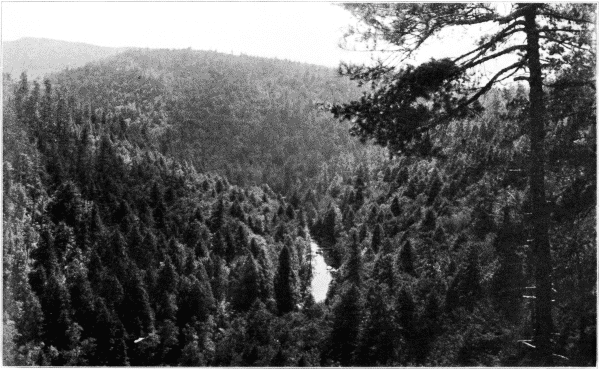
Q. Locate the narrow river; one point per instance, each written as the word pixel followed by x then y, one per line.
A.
pixel 321 277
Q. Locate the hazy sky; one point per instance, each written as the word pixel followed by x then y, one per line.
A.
pixel 307 32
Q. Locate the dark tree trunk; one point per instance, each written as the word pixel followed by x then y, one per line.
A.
pixel 539 211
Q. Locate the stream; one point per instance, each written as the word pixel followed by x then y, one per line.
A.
pixel 321 277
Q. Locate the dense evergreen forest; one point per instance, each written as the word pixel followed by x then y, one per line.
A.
pixel 159 208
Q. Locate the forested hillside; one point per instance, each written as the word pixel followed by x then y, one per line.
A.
pixel 160 208
pixel 115 255
pixel 252 119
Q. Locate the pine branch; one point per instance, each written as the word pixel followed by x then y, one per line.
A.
pixel 493 56
pixel 564 17
pixel 496 39
pixel 491 83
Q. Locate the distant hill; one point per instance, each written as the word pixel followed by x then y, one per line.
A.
pixel 39 56
pixel 255 120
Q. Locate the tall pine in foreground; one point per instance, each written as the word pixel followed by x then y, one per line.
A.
pixel 408 108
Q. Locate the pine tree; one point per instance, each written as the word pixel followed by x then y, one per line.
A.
pixel 286 283
pixel 329 229
pixel 242 239
pixel 508 279
pixel 379 340
pixel 465 289
pixel 405 319
pixel 195 299
pixel 411 103
pixel 82 303
pixel 137 314
pixel 376 238
pixel 395 207
pixel 354 264
pixel 347 319
pixel 56 306
pixel 405 259
pixel 384 271
pixel 261 255
pixel 429 221
pixel 247 289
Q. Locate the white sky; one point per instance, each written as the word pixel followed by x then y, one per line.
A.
pixel 306 32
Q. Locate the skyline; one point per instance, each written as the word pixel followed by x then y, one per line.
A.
pixel 303 32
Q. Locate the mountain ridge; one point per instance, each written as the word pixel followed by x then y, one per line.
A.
pixel 41 56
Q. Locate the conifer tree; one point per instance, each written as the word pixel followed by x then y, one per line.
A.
pixel 384 271
pixel 219 279
pixel 82 303
pixel 247 289
pixel 329 229
pixel 395 207
pixel 286 283
pixel 465 289
pixel 354 264
pixel 138 317
pixel 195 299
pixel 413 104
pixel 261 255
pixel 379 340
pixel 347 319
pixel 406 320
pixel 508 280
pixel 405 259
pixel 429 221
pixel 217 216
pixel 56 307
pixel 376 238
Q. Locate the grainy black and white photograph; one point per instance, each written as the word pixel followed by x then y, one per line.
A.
pixel 307 184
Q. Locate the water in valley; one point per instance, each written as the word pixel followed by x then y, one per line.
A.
pixel 321 276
